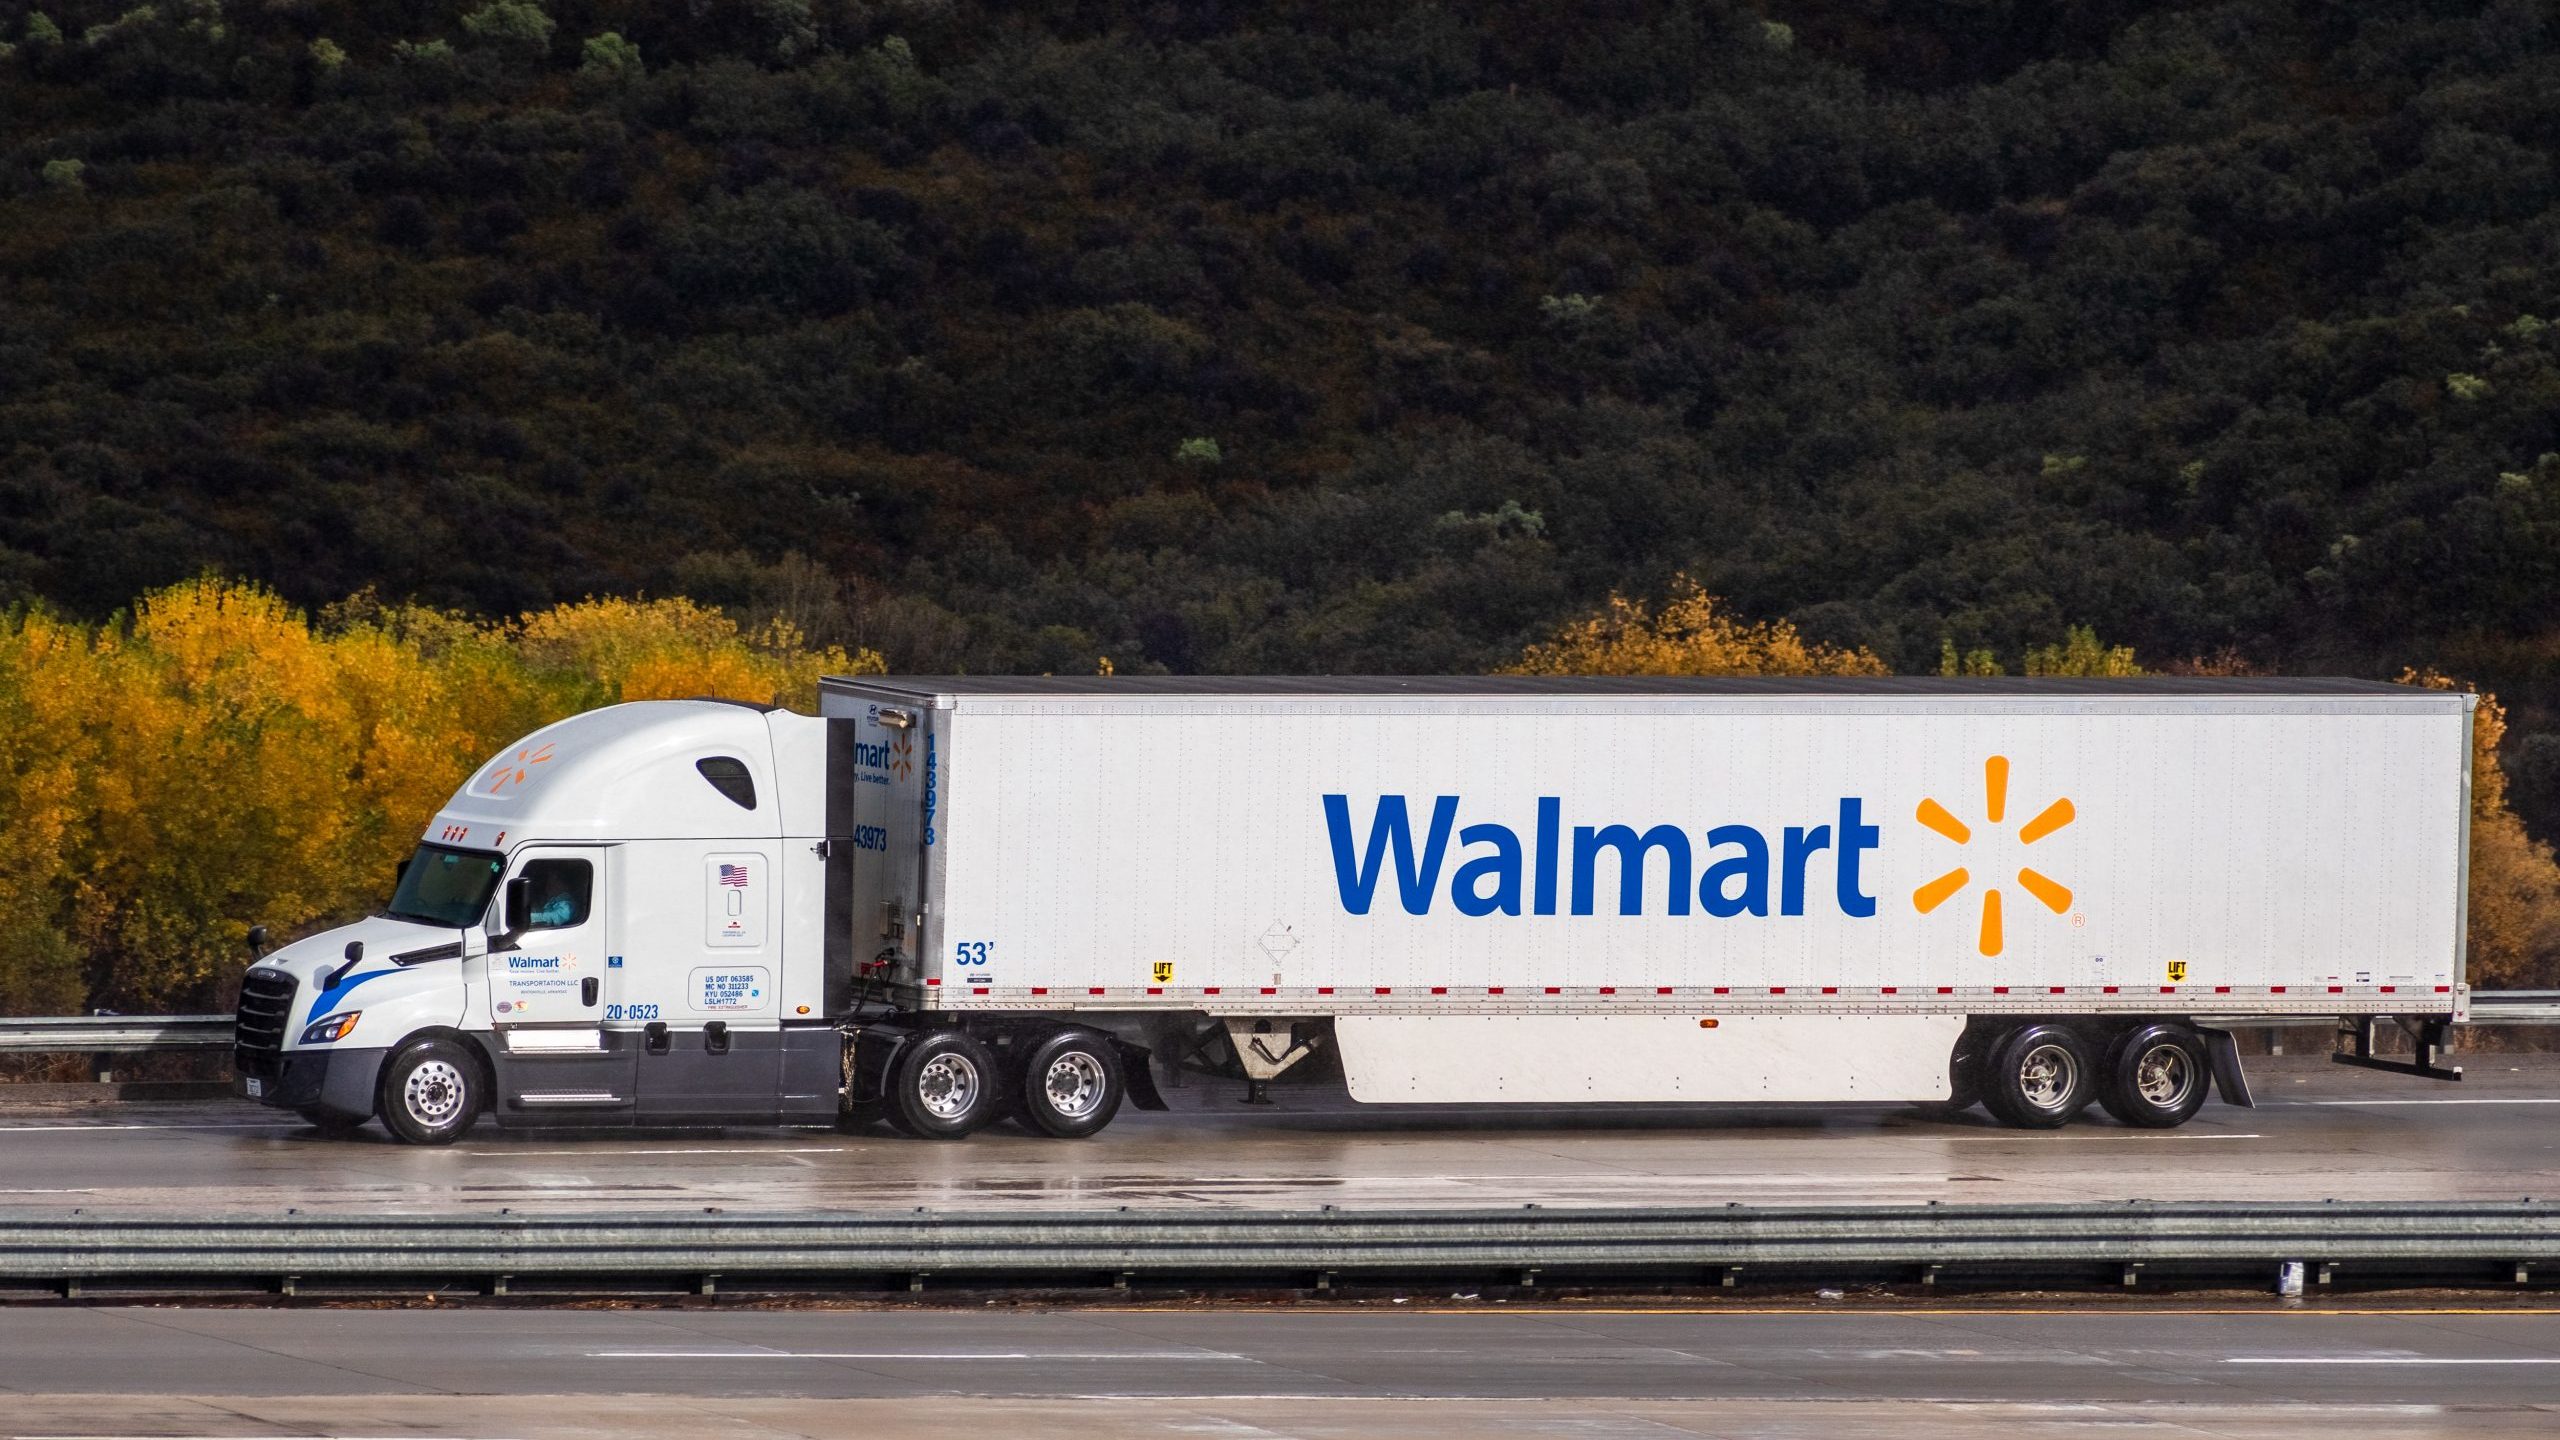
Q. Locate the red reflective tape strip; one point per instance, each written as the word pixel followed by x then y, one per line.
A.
pixel 1208 989
pixel 2444 989
pixel 2168 989
pixel 933 980
pixel 2053 989
pixel 1439 989
pixel 1096 990
pixel 1777 989
pixel 1386 989
pixel 1043 990
pixel 2106 989
pixel 2275 989
pixel 1661 989
pixel 1999 989
pixel 1555 989
pixel 1608 989
pixel 2337 989
pixel 1324 989
pixel 1155 989
pixel 1724 989
pixel 1493 989
pixel 1946 989
pixel 1270 989
pixel 1830 989
pixel 977 989
pixel 2221 989
pixel 1890 989
pixel 2389 989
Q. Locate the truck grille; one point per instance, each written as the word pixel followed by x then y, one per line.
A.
pixel 266 1007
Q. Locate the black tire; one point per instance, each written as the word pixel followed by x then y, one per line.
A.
pixel 332 1124
pixel 1072 1084
pixel 2156 1076
pixel 945 1086
pixel 431 1092
pixel 2039 1077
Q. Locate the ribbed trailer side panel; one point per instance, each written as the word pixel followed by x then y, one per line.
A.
pixel 1824 852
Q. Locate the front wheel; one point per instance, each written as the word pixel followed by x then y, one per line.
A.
pixel 2156 1077
pixel 2039 1077
pixel 431 1092
pixel 1072 1084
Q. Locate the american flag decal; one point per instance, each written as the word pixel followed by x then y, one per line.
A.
pixel 734 875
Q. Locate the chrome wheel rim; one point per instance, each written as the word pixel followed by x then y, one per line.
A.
pixel 947 1086
pixel 2047 1075
pixel 2165 1075
pixel 433 1093
pixel 1074 1085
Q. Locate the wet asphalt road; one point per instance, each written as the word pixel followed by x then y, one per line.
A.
pixel 1313 1373
pixel 2321 1131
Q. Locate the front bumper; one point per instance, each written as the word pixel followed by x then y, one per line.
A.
pixel 338 1082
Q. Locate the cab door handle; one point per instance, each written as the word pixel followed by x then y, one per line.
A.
pixel 587 992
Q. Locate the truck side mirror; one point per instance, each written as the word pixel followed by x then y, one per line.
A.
pixel 257 942
pixel 519 905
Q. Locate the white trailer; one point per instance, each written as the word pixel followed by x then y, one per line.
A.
pixel 965 899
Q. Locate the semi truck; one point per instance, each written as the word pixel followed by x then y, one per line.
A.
pixel 940 903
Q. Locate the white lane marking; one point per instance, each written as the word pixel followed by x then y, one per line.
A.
pixel 2381 1360
pixel 913 1355
pixel 47 1192
pixel 2048 1137
pixel 2484 1100
pixel 86 1129
pixel 731 1150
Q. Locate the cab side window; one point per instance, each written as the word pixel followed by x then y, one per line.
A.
pixel 729 776
pixel 561 892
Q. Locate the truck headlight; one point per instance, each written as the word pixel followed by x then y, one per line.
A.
pixel 335 1027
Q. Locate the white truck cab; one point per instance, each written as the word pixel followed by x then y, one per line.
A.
pixel 600 927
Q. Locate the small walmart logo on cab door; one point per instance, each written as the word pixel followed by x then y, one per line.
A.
pixel 1995 805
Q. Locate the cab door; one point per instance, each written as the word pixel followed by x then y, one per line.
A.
pixel 546 989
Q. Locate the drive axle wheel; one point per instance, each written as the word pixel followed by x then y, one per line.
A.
pixel 2156 1077
pixel 1072 1084
pixel 945 1086
pixel 2039 1077
pixel 431 1092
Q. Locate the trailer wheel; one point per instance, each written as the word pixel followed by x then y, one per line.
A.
pixel 431 1092
pixel 2156 1076
pixel 947 1086
pixel 2040 1077
pixel 1072 1084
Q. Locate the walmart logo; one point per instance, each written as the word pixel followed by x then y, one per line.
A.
pixel 1548 866
pixel 1995 807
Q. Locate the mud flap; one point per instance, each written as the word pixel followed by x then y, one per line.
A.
pixel 1138 1071
pixel 873 1055
pixel 2228 1078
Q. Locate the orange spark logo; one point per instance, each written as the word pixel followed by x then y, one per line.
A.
pixel 902 755
pixel 1995 805
pixel 512 770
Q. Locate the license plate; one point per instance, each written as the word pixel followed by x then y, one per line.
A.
pixel 257 1089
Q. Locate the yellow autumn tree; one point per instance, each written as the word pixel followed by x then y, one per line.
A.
pixel 1689 634
pixel 2515 884
pixel 216 760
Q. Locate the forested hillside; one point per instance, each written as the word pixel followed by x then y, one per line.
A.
pixel 1370 336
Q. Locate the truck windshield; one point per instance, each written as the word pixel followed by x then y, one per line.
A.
pixel 445 886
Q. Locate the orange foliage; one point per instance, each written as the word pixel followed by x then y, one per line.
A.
pixel 1689 635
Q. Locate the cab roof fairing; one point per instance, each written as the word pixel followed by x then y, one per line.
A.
pixel 624 772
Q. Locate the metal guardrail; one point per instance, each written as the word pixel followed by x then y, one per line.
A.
pixel 2084 1244
pixel 106 1034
